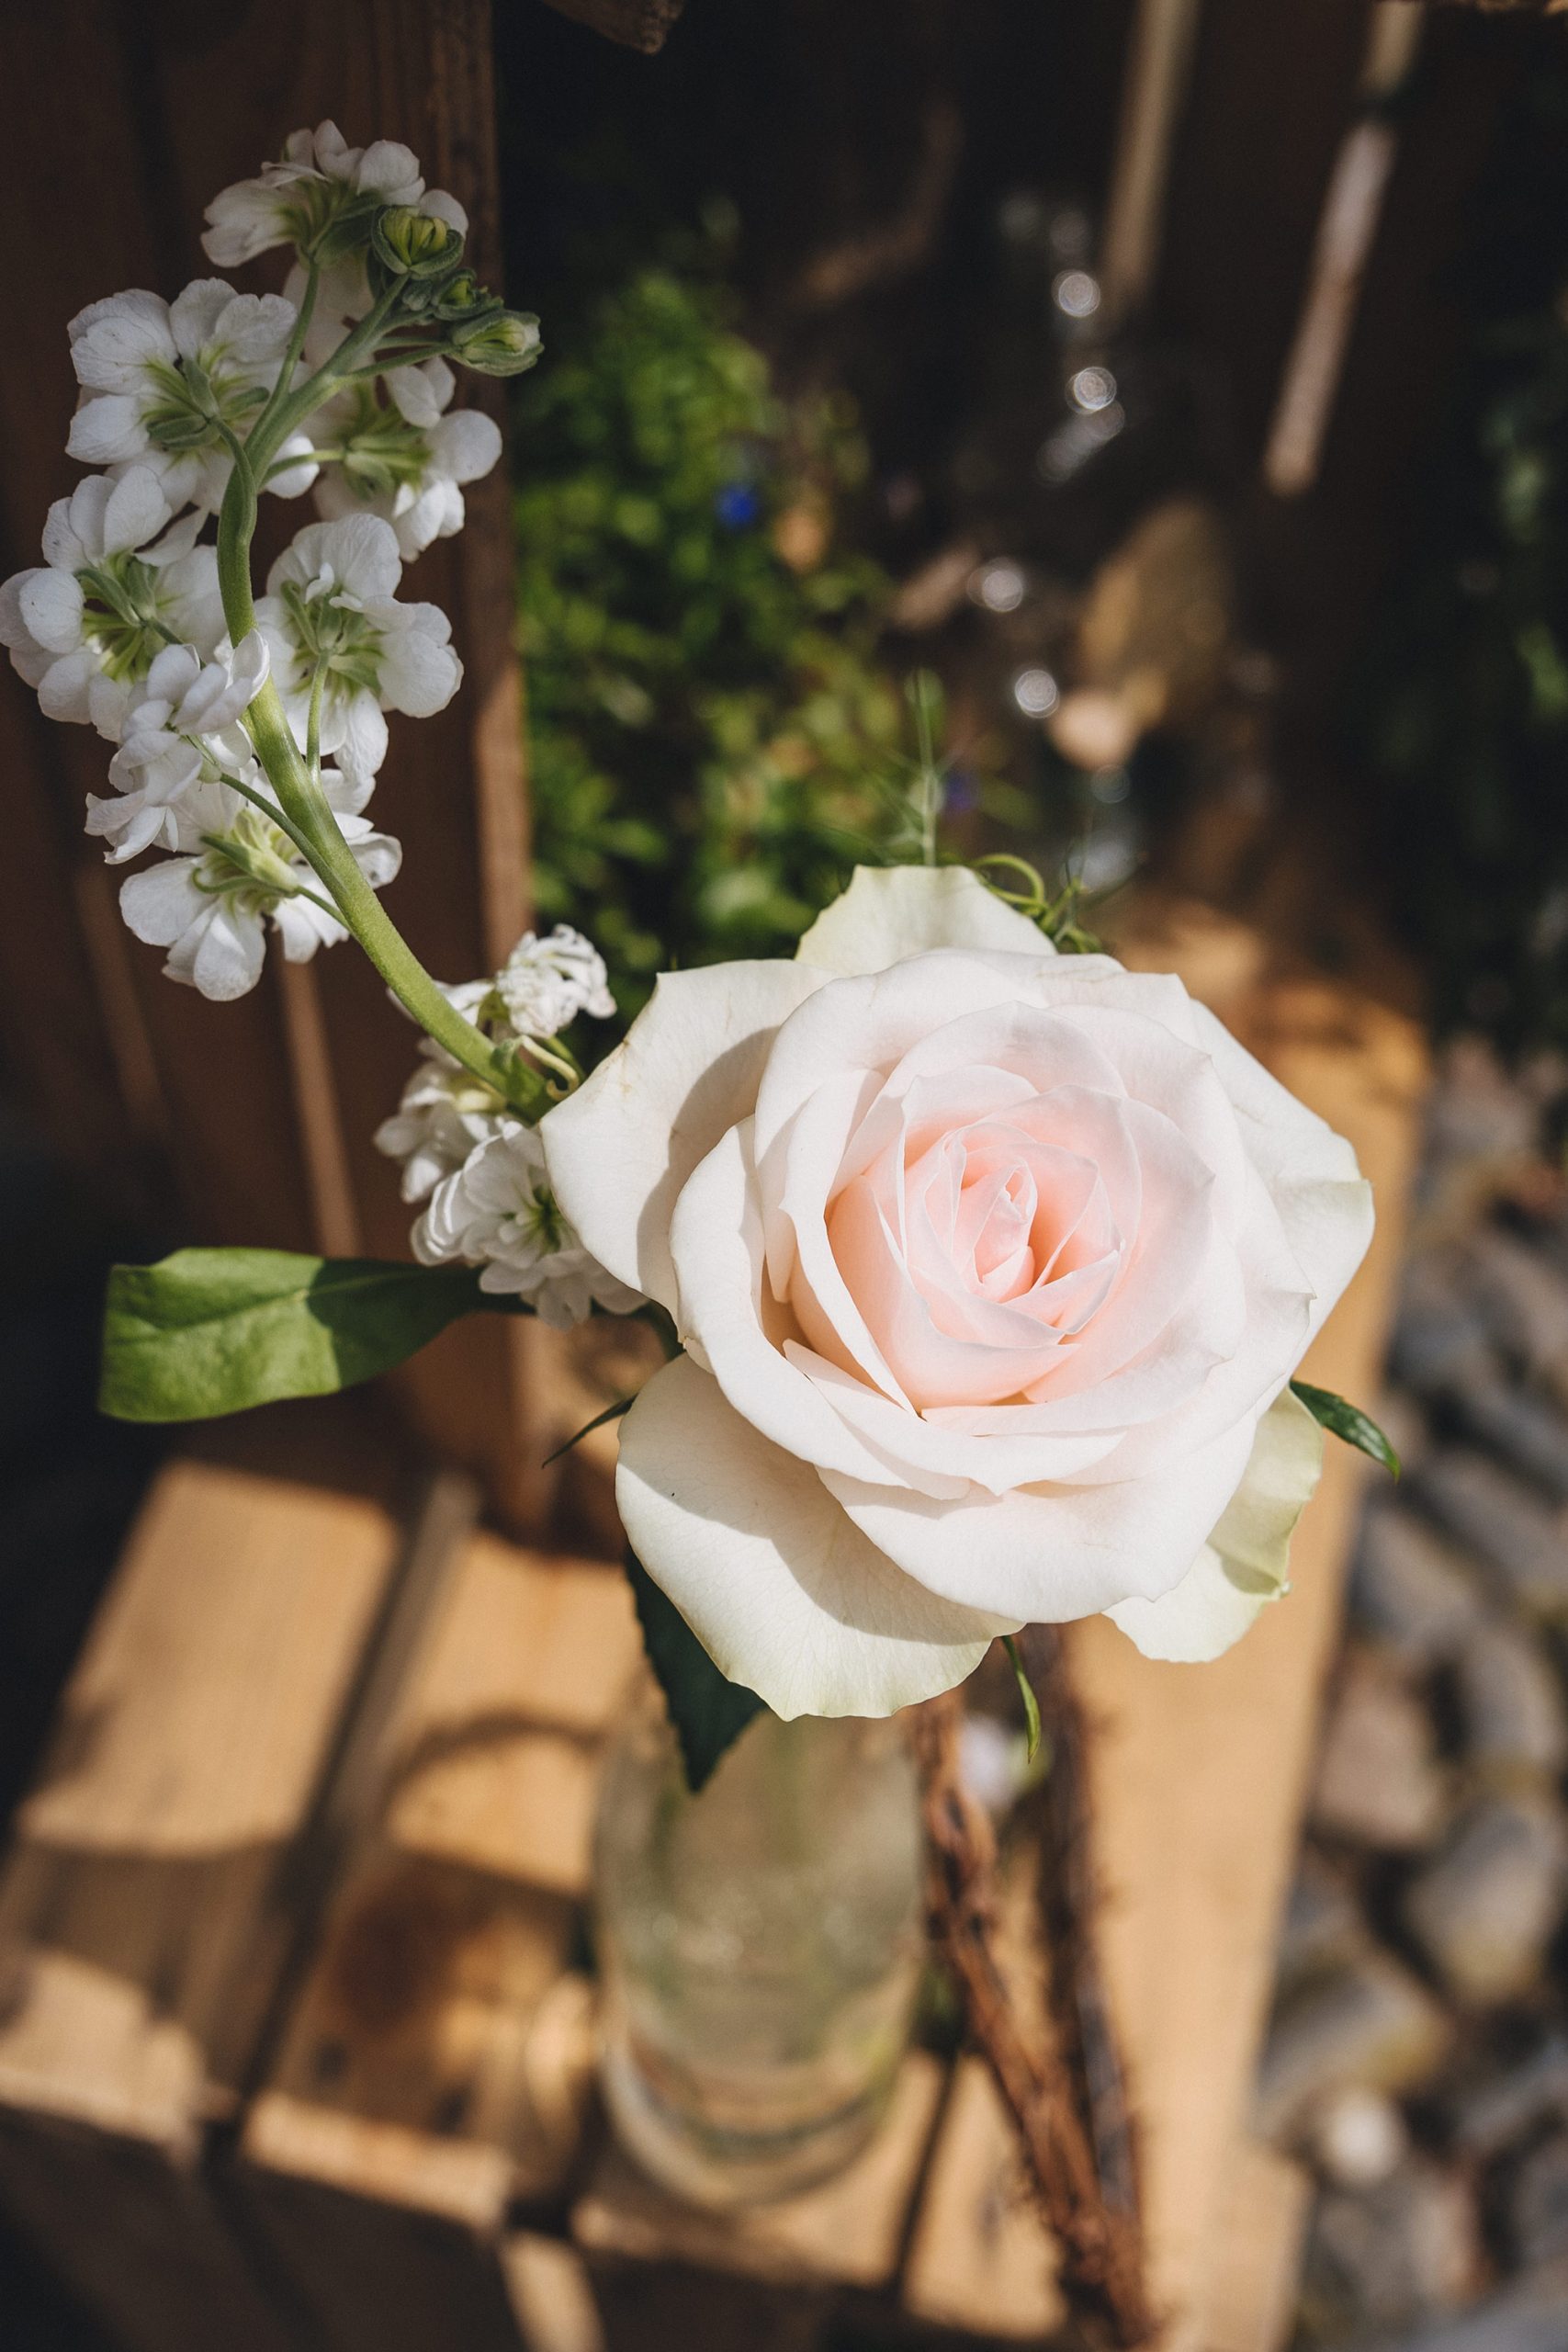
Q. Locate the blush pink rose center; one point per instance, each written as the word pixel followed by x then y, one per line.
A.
pixel 978 1251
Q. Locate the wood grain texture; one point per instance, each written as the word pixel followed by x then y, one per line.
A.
pixel 147 1909
pixel 438 2056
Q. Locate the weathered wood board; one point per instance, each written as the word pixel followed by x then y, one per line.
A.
pixel 147 1904
pixel 435 2068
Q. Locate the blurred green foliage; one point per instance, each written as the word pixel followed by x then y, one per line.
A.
pixel 712 743
pixel 1461 701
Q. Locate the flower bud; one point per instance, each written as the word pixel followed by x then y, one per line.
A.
pixel 463 298
pixel 411 244
pixel 504 343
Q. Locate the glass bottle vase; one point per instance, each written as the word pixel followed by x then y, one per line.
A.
pixel 760 1950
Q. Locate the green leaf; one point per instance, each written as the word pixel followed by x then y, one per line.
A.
pixel 212 1331
pixel 1026 1692
pixel 708 1711
pixel 1345 1420
pixel 611 1413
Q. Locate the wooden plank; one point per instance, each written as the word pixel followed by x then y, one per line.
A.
pixel 663 2271
pixel 221 1069
pixel 437 2062
pixel 147 1905
pixel 1198 1775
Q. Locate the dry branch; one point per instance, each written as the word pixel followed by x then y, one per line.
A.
pixel 1069 1897
pixel 1099 2236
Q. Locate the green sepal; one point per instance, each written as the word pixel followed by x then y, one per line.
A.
pixel 1026 1693
pixel 212 1332
pixel 1344 1420
pixel 707 1710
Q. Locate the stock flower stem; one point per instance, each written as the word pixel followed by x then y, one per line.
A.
pixel 310 819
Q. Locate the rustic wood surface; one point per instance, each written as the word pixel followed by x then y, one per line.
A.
pixel 436 2063
pixel 147 1905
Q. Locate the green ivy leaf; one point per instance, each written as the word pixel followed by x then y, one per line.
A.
pixel 1343 1419
pixel 212 1332
pixel 708 1711
pixel 1026 1693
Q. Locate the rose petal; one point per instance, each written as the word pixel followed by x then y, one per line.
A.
pixel 1243 1566
pixel 622 1147
pixel 1049 1552
pixel 776 1584
pixel 892 912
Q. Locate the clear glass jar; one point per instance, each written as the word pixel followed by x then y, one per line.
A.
pixel 760 1950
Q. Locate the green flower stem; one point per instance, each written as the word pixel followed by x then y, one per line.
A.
pixel 310 822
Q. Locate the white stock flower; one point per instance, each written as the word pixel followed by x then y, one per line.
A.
pixel 211 909
pixel 405 459
pixel 86 624
pixel 993 1267
pixel 331 604
pixel 181 730
pixel 497 1211
pixel 443 1112
pixel 159 379
pixel 545 983
pixel 324 192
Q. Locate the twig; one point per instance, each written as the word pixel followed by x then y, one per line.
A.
pixel 1070 1897
pixel 1100 2243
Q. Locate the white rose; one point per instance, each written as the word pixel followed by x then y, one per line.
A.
pixel 992 1267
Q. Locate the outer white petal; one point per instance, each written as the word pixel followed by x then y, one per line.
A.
pixel 162 903
pixel 136 511
pixel 106 430
pixel 622 1147
pixel 1051 1552
pixel 419 671
pixel 362 744
pixel 225 956
pixel 467 446
pixel 1243 1565
pixel 387 167
pixel 1324 1204
pixel 419 394
pixel 194 314
pixel 50 605
pixel 112 341
pixel 777 1586
pixel 65 689
pixel 436 203
pixel 891 911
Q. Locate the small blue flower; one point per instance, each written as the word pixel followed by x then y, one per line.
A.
pixel 962 793
pixel 738 505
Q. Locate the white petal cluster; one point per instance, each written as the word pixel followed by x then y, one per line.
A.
pixel 122 627
pixel 210 911
pixel 545 983
pixel 497 1212
pixel 321 198
pixel 181 731
pixel 162 381
pixel 115 585
pixel 406 458
pixel 481 1169
pixel 332 605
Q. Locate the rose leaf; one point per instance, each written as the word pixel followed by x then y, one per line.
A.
pixel 708 1711
pixel 1343 1419
pixel 212 1332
